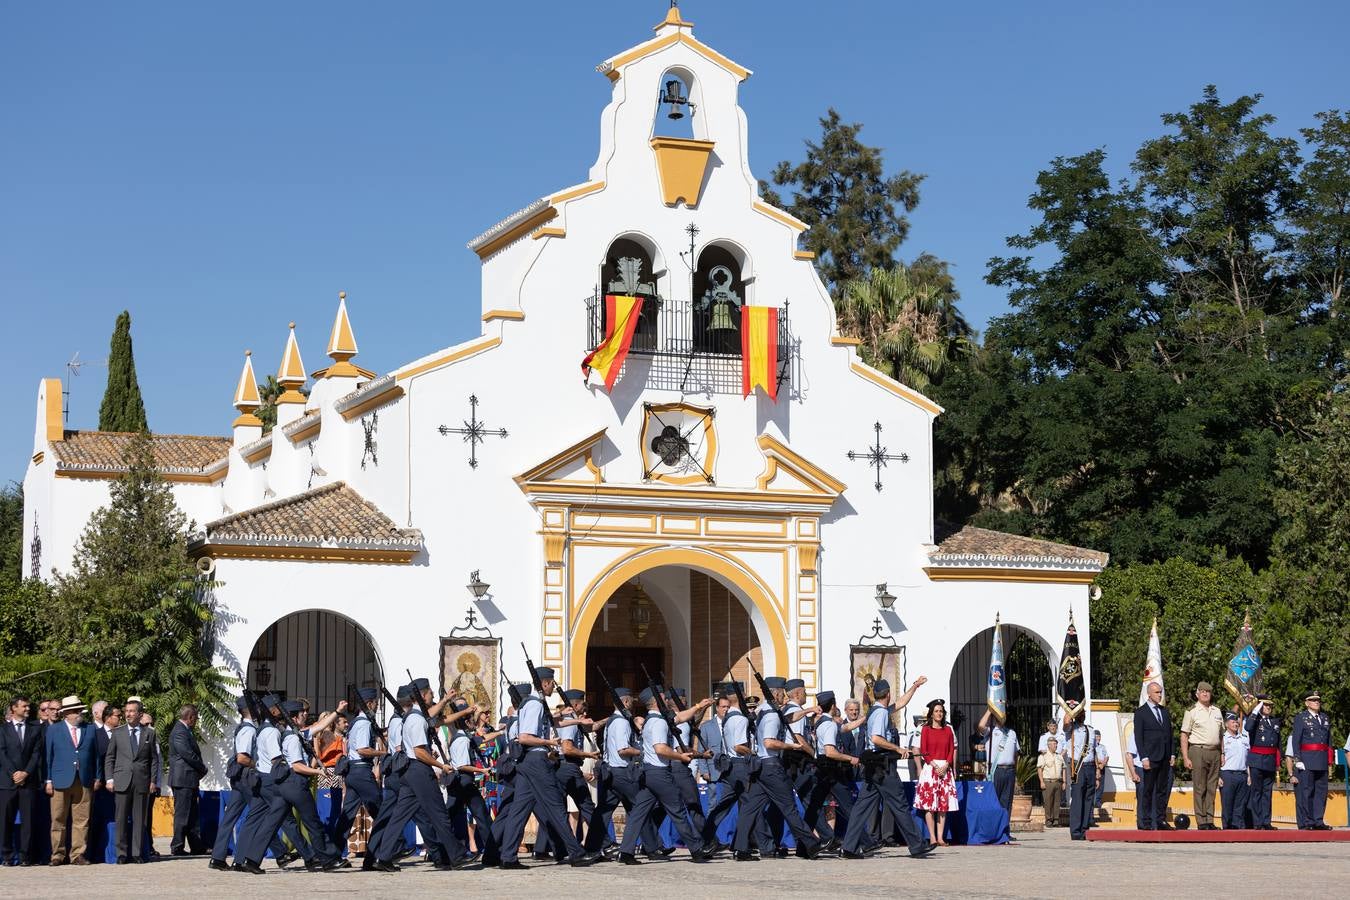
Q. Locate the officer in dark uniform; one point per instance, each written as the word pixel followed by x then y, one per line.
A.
pixel 570 777
pixel 771 785
pixel 1262 761
pixel 1312 762
pixel 833 776
pixel 357 770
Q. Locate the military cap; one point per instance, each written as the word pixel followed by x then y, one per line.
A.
pixel 524 689
pixel 421 684
pixel 367 693
pixel 241 704
pixel 574 694
pixel 291 707
pixel 1312 695
pixel 646 695
pixel 881 687
pixel 1205 686
pixel 271 700
pixel 1230 717
pixel 459 705
pixel 622 692
pixel 825 699
pixel 545 673
pixel 405 692
pixel 679 692
pixel 793 683
pixel 773 682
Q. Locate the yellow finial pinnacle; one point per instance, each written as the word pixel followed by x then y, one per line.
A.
pixel 342 342
pixel 246 397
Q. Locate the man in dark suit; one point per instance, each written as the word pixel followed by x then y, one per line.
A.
pixel 20 765
pixel 74 771
pixel 132 769
pixel 186 769
pixel 1153 740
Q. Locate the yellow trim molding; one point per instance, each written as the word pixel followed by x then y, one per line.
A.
pixel 840 341
pixel 1038 576
pixel 307 554
pixel 463 351
pixel 55 427
pixel 777 214
pixel 1104 705
pixel 580 190
pixel 803 254
pixel 539 473
pixel 610 68
pixel 777 454
pixel 389 395
pixel 522 228
pixel 549 231
pixel 309 431
pixel 176 477
pixel 507 315
pixel 681 164
pixel 263 452
pixel 343 369
pixel 886 383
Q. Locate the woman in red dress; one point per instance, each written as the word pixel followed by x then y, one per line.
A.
pixel 935 793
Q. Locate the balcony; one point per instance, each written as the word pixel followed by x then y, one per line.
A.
pixel 693 347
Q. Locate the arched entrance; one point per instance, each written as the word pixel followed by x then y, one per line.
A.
pixel 1031 683
pixel 313 654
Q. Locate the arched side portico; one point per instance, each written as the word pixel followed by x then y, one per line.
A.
pixel 311 654
pixel 745 584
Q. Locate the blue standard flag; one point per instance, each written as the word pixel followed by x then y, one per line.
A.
pixel 998 679
pixel 1245 678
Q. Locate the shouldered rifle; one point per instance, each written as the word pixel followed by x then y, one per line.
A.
pixel 618 703
pixel 680 707
pixel 664 710
pixel 256 709
pixel 768 698
pixel 740 698
pixel 356 706
pixel 433 732
pixel 553 755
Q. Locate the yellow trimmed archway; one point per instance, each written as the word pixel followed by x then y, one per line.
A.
pixel 743 582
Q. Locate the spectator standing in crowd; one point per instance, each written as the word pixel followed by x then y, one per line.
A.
pixel 1051 731
pixel 936 791
pixel 20 767
pixel 186 770
pixel 74 772
pixel 104 801
pixel 1050 772
pixel 96 712
pixel 1153 741
pixel 1233 778
pixel 132 771
pixel 1201 732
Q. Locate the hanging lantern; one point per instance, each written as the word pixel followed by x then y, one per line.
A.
pixel 640 613
pixel 675 99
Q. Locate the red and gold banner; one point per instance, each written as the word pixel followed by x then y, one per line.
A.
pixel 759 350
pixel 621 318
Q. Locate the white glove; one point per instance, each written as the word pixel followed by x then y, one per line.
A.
pixel 1298 764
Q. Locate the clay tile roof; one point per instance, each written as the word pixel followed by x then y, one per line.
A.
pixel 971 546
pixel 333 515
pixel 105 451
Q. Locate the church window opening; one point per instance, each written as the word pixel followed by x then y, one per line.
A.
pixel 675 109
pixel 628 270
pixel 719 294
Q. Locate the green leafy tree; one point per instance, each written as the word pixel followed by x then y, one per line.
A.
pixel 907 319
pixel 122 408
pixel 1321 243
pixel 268 392
pixel 133 606
pixel 857 215
pixel 11 533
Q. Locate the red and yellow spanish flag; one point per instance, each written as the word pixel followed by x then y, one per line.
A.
pixel 621 318
pixel 759 350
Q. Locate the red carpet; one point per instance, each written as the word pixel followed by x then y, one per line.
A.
pixel 1241 836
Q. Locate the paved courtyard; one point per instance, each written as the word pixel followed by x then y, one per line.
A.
pixel 1040 865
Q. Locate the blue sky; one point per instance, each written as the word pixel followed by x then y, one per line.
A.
pixel 221 169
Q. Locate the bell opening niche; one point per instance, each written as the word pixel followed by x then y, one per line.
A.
pixel 675 107
pixel 719 294
pixel 629 270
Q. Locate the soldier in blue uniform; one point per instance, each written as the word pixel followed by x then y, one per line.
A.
pixel 881 781
pixel 358 770
pixel 1263 758
pixel 268 807
pixel 245 796
pixel 683 773
pixel 833 776
pixel 618 782
pixel 770 785
pixel 418 792
pixel 536 789
pixel 570 777
pixel 296 788
pixel 506 761
pixel 1312 755
pixel 462 793
pixel 1081 755
pixel 1234 749
pixel 736 766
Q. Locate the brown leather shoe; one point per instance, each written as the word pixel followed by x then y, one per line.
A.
pixel 80 861
pixel 57 862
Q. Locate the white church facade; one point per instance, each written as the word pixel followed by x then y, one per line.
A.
pixel 669 520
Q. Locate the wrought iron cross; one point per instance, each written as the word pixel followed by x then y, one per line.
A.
pixel 474 431
pixel 369 424
pixel 35 550
pixel 877 457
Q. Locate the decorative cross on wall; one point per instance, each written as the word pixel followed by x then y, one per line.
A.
pixel 876 456
pixel 35 551
pixel 474 431
pixel 368 425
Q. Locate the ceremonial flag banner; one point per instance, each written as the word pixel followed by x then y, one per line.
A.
pixel 1245 678
pixel 1153 666
pixel 759 350
pixel 998 682
pixel 1070 692
pixel 621 317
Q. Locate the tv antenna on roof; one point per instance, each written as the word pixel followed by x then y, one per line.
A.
pixel 73 368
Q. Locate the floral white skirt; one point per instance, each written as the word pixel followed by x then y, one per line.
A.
pixel 935 793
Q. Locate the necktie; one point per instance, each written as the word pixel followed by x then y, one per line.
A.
pixel 75 736
pixel 135 740
pixel 18 726
pixel 1157 714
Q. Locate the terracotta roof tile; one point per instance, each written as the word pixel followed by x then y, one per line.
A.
pixel 980 546
pixel 333 515
pixel 105 451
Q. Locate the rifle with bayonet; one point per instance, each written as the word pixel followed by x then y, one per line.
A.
pixel 664 710
pixel 433 732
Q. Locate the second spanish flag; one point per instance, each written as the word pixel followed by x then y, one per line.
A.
pixel 621 318
pixel 759 350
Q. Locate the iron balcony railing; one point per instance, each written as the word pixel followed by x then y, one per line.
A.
pixel 687 346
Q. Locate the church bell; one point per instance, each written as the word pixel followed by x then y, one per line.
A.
pixel 675 99
pixel 721 317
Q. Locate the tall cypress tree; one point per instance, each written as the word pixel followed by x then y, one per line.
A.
pixel 122 409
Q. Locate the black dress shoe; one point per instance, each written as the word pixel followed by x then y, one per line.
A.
pixel 743 856
pixel 923 850
pixel 343 863
pixel 781 853
pixel 849 854
pixel 540 857
pixel 834 845
pixel 219 865
pixel 721 847
pixel 253 869
pixel 810 852
pixel 386 865
pixel 138 860
pixel 179 853
pixel 660 854
pixel 313 866
pixel 586 859
pixel 513 864
pixel 629 859
pixel 286 859
pixel 700 856
pixel 122 860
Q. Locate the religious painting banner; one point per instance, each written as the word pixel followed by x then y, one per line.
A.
pixel 469 666
pixel 867 665
pixel 759 350
pixel 1070 691
pixel 1245 677
pixel 621 318
pixel 1153 668
pixel 997 697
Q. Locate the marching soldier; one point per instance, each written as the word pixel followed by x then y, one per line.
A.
pixel 358 770
pixel 833 776
pixel 619 782
pixel 771 784
pixel 683 773
pixel 295 789
pixel 245 794
pixel 506 761
pixel 881 782
pixel 570 777
pixel 267 804
pixel 737 765
pixel 1312 756
pixel 462 791
pixel 801 764
pixel 1262 761
pixel 537 790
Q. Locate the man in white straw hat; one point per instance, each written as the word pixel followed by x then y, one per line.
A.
pixel 74 772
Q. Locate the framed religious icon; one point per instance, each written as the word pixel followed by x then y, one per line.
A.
pixel 469 666
pixel 867 665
